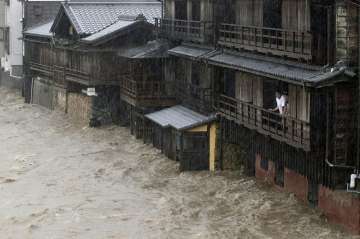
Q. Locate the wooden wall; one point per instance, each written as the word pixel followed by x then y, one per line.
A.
pixel 296 14
pixel 249 12
pixel 206 9
pixel 299 103
pixel 184 72
pixel 249 88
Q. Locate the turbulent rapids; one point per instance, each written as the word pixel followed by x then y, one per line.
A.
pixel 59 180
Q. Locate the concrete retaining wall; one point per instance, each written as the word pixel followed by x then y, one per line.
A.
pixel 10 81
pixel 263 174
pixel 48 95
pixel 297 184
pixel 341 208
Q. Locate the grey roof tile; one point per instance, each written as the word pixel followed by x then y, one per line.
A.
pixel 274 69
pixel 117 26
pixel 261 65
pixel 89 18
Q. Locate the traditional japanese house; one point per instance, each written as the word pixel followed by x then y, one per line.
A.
pixel 143 88
pixel 245 52
pixel 187 132
pixel 81 61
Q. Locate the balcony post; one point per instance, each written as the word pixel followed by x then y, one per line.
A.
pixel 302 42
pixel 293 41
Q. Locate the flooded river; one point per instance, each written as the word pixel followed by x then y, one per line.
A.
pixel 60 180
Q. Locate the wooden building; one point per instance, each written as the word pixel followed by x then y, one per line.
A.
pixel 83 60
pixel 233 56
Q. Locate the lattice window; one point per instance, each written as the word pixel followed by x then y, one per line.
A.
pixel 7 39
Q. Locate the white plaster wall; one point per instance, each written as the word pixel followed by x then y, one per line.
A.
pixel 13 20
pixel 2 25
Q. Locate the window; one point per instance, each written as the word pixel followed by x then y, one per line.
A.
pixel 272 13
pixel 195 74
pixel 229 83
pixel 264 163
pixel 2 34
pixel 37 10
pixel 181 9
pixel 195 10
pixel 7 40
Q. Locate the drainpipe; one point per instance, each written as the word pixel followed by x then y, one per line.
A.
pixel 358 106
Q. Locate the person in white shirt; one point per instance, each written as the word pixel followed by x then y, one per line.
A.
pixel 280 103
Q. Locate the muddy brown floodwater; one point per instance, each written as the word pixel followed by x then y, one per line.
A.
pixel 59 180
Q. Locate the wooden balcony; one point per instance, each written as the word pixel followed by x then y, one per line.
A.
pixel 293 131
pixel 279 42
pixel 186 30
pixel 43 69
pixel 195 97
pixel 77 76
pixel 146 93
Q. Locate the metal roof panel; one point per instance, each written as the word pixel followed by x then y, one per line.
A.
pixel 42 30
pixel 179 117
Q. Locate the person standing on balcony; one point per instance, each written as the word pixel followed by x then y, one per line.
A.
pixel 280 103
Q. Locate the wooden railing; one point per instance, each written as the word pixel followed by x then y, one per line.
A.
pixel 144 90
pixel 46 69
pixel 197 31
pixel 196 97
pixel 280 42
pixel 284 128
pixel 77 76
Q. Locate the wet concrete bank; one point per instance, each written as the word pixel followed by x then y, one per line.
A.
pixel 60 180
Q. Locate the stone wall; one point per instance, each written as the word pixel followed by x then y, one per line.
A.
pixel 232 157
pixel 106 105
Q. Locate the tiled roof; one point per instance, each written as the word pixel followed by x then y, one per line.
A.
pixel 117 26
pixel 179 117
pixel 275 70
pixel 264 66
pixel 89 18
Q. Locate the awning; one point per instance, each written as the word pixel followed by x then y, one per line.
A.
pixel 179 118
pixel 295 73
pixel 40 31
pixel 189 51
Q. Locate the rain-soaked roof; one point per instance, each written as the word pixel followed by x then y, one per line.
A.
pixel 116 27
pixel 179 117
pixel 153 49
pixel 262 65
pixel 89 18
pixel 189 51
pixel 276 70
